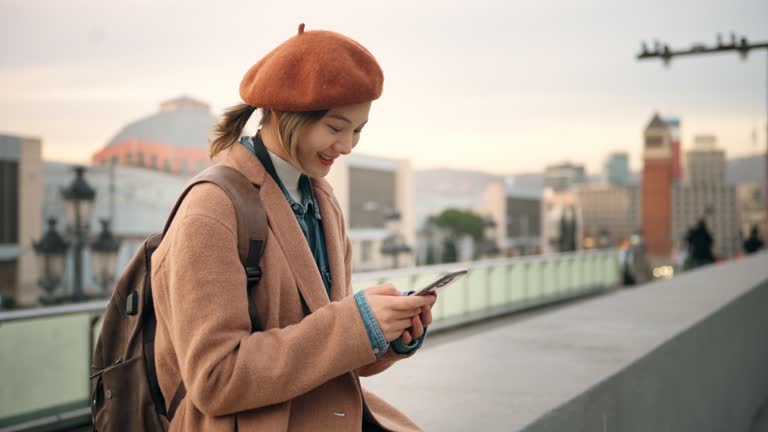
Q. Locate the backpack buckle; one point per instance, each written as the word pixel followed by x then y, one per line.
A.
pixel 253 274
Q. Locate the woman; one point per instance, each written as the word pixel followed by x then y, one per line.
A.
pixel 302 371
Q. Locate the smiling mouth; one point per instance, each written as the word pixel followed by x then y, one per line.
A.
pixel 325 160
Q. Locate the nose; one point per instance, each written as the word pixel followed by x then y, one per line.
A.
pixel 344 144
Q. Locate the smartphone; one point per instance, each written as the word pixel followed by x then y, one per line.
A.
pixel 441 282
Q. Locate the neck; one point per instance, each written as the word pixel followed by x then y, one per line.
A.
pixel 271 139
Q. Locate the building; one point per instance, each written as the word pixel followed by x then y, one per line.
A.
pixel 673 125
pixel 610 213
pixel 368 188
pixel 523 217
pixel 616 169
pixel 750 208
pixel 564 176
pixel 706 163
pixel 21 196
pixel 671 206
pixel 707 195
pixel 656 189
pixel 174 140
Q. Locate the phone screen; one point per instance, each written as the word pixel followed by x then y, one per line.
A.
pixel 441 282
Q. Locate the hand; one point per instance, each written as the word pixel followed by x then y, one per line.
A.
pixel 419 321
pixel 393 311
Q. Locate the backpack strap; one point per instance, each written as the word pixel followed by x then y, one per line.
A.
pixel 252 228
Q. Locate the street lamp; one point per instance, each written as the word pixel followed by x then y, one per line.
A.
pixel 104 251
pixel 394 244
pixel 51 251
pixel 78 201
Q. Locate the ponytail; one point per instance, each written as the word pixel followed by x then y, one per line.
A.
pixel 229 127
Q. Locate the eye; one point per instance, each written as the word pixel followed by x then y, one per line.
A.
pixel 334 129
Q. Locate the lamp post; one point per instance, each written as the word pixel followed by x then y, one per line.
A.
pixel 394 244
pixel 52 248
pixel 104 253
pixel 51 252
pixel 78 201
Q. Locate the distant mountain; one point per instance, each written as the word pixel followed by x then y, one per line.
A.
pixel 528 180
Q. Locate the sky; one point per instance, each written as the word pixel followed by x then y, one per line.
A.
pixel 497 86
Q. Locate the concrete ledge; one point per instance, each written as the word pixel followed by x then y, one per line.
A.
pixel 686 354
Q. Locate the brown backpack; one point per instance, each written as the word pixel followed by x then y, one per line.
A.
pixel 125 394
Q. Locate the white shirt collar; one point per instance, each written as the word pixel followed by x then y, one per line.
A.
pixel 288 174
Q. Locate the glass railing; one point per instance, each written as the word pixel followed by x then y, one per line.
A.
pixel 45 353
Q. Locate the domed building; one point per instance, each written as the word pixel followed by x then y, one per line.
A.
pixel 173 140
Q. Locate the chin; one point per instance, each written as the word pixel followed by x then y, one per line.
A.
pixel 319 172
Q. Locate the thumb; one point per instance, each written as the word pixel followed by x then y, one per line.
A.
pixel 384 289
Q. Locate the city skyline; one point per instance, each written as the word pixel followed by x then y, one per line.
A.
pixel 456 95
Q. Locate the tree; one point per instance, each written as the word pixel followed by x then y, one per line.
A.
pixel 460 223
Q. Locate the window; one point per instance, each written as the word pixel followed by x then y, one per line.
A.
pixel 653 141
pixel 9 201
pixel 129 158
pixel 167 165
pixel 200 165
pixel 8 279
pixel 153 161
pixel 184 168
pixel 141 158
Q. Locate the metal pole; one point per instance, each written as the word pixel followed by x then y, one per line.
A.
pixel 78 282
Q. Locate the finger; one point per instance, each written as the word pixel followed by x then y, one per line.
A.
pixel 433 294
pixel 417 329
pixel 426 315
pixel 402 324
pixel 406 337
pixel 385 289
pixel 411 302
pixel 407 314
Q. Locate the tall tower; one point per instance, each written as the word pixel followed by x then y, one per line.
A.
pixel 658 174
pixel 673 124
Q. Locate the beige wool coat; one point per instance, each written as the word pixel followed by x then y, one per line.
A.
pixel 302 372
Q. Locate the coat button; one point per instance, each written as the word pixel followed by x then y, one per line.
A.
pixel 375 350
pixel 296 207
pixel 108 394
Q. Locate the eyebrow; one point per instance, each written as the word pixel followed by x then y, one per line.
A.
pixel 341 117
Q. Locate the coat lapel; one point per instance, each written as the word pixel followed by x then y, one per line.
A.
pixel 333 240
pixel 284 227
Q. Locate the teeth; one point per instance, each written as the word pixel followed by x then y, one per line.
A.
pixel 326 158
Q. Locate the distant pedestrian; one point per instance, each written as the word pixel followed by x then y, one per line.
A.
pixel 700 243
pixel 753 243
pixel 633 262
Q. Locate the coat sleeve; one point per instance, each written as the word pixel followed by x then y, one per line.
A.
pixel 384 361
pixel 225 368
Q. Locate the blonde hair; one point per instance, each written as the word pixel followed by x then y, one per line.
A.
pixel 290 127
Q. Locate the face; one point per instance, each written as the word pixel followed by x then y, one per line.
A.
pixel 334 135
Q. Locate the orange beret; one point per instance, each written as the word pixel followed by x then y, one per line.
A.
pixel 312 71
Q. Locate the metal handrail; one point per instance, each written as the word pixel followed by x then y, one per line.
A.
pixel 470 265
pixel 97 307
pixel 53 311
